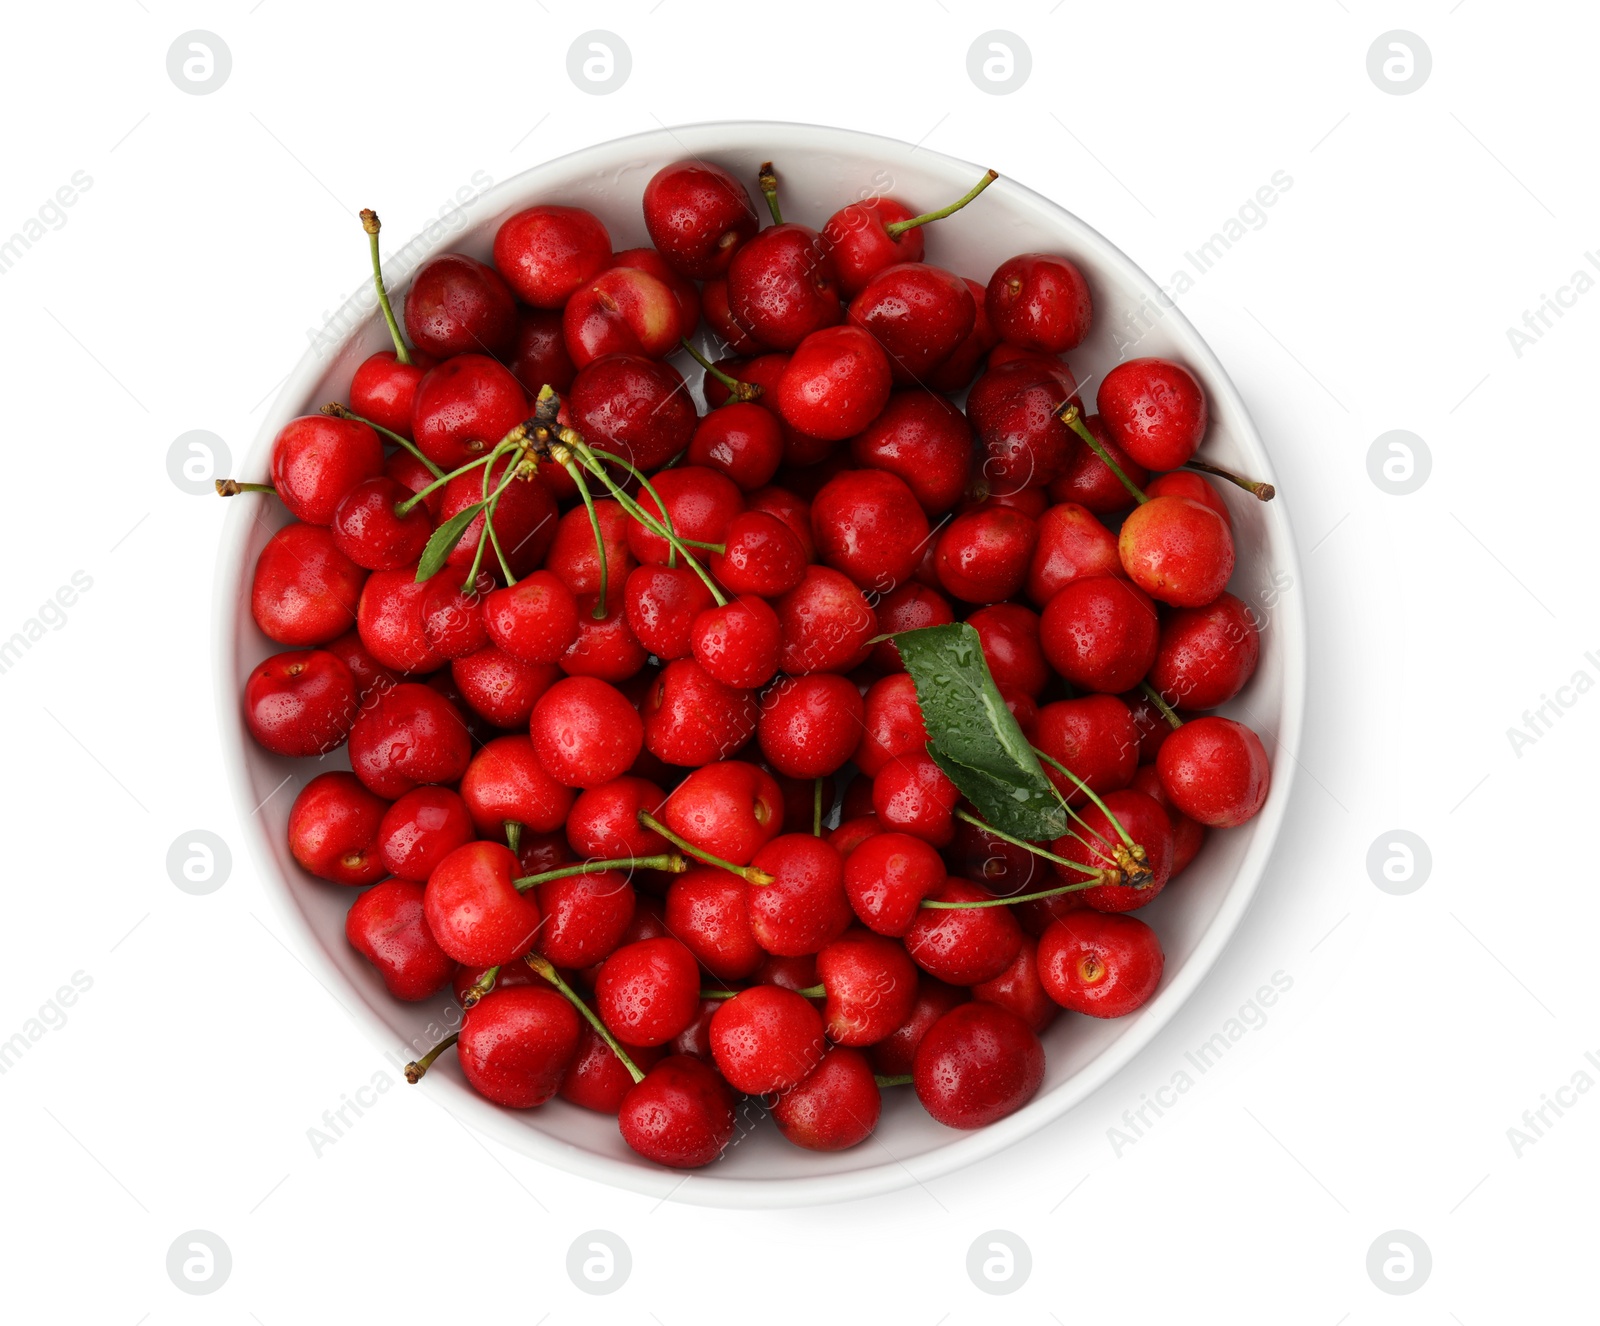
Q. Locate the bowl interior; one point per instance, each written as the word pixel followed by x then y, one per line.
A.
pixel 821 169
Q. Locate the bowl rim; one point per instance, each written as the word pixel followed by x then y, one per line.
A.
pixel 707 1189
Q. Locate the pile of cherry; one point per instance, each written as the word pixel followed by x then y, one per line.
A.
pixel 637 769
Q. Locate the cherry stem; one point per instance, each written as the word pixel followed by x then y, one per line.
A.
pixel 816 810
pixel 1071 414
pixel 336 411
pixel 571 468
pixel 670 862
pixel 233 487
pixel 719 994
pixel 897 228
pixel 543 968
pixel 489 505
pixel 1028 897
pixel 480 987
pixel 1265 491
pixel 892 1080
pixel 813 991
pixel 1090 793
pixel 768 180
pixel 513 830
pixel 747 873
pixel 644 482
pixel 371 224
pixel 718 548
pixel 742 391
pixel 1167 712
pixel 1026 846
pixel 401 508
pixel 417 1067
pixel 493 505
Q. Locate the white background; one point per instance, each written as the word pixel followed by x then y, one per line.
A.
pixel 1377 296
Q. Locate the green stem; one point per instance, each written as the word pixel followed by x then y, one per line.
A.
pixel 337 411
pixel 719 994
pixel 670 862
pixel 747 873
pixel 644 482
pixel 1088 792
pixel 402 507
pixel 812 992
pixel 232 488
pixel 371 224
pixel 1167 712
pixel 1026 846
pixel 768 180
pixel 417 1067
pixel 488 525
pixel 742 391
pixel 1021 897
pixel 513 830
pixel 480 987
pixel 816 810
pixel 898 228
pixel 1265 491
pixel 544 969
pixel 895 1080
pixel 571 468
pixel 1071 414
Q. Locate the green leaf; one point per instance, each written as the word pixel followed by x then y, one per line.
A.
pixel 443 541
pixel 973 737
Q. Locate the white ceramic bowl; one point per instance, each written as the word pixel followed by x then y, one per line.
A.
pixel 821 169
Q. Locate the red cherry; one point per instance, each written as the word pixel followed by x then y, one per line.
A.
pixel 546 253
pixel 452 616
pixel 761 555
pixel 887 877
pixel 1019 990
pixel 456 305
pixel 853 832
pixel 706 910
pixel 622 310
pixel 661 604
pixel 382 389
pixel 1001 867
pixel 907 607
pixel 742 440
pixel 738 644
pixel 422 828
pixel 891 723
pixel 1154 410
pixel 386 926
pixel 502 689
pixel 923 439
pixel 918 313
pixel 1186 483
pixel 982 556
pixel 719 317
pixel 793 510
pixel 957 372
pixel 1100 633
pixel 463 408
pixel 302 702
pixel 636 408
pixel 539 355
pixel 1089 481
pixel 410 735
pixel 1147 823
pixel 766 371
pixel 507 781
pixel 698 215
pixel 647 992
pixel 976 1064
pixel 911 795
pixel 524 518
pixel 1100 963
pixel 729 809
pixel 805 905
pixel 1010 637
pixel 700 504
pixel 334 829
pixel 834 384
pixel 411 474
pixel 827 624
pixel 896 1053
pixel 1040 301
pixel 1188 837
pixel 371 677
pixel 516 1044
pixel 1012 409
pixel 861 245
pixel 871 986
pixel 691 719
pixel 1094 737
pixel 585 917
pixel 782 286
pixel 585 732
pixel 389 619
pixel 605 647
pixel 474 909
pixel 604 822
pixel 1206 655
pixel 316 460
pixel 835 1107
pixel 966 945
pixel 1177 550
pixel 1072 544
pixel 868 524
pixel 680 1115
pixel 596 1079
pixel 305 590
pixel 369 529
pixel 810 725
pixel 766 1039
pixel 1215 771
pixel 534 620
pixel 572 557
pixel 684 291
